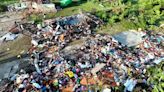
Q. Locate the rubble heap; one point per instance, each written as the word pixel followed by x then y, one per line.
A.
pixel 99 61
pixel 61 31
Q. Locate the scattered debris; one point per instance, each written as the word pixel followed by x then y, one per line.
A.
pixel 32 7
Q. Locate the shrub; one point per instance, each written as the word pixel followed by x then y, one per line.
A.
pixel 3 8
pixel 144 13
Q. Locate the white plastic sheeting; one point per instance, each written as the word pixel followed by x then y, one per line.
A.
pixel 8 37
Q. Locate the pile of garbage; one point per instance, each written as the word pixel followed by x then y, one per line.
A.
pixel 101 60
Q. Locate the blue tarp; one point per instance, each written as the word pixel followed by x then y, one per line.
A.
pixel 69 21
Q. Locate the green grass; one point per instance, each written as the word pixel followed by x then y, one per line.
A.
pixel 121 26
pixel 116 27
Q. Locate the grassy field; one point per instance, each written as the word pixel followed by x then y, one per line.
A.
pixel 116 28
pixel 87 6
pixel 121 27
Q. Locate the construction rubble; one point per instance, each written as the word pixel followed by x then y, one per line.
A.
pixel 32 7
pixel 98 63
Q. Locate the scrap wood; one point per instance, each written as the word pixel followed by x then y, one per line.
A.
pixel 62 37
pixel 52 49
pixel 84 81
pixel 14 29
pixel 91 81
pixel 108 74
pixel 68 89
pixel 87 81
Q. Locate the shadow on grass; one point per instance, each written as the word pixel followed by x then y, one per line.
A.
pixel 3 53
pixel 13 58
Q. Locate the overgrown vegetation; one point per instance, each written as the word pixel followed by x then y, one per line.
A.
pixel 156 77
pixel 4 3
pixel 146 14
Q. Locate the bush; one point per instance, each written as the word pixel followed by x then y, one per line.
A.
pixel 103 15
pixel 3 8
pixel 144 13
pixel 36 18
pixel 156 77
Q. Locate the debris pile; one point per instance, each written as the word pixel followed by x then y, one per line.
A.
pixel 32 7
pixel 61 31
pixel 101 60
